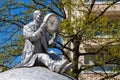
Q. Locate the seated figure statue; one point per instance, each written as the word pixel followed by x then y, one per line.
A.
pixel 36 46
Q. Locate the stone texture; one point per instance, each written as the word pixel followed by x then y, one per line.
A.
pixel 32 73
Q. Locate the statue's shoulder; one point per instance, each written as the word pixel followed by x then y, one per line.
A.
pixel 29 25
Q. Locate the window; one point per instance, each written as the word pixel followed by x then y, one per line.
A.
pixel 107 68
pixel 89 60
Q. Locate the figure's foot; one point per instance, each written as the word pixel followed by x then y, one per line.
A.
pixel 62 66
pixel 67 67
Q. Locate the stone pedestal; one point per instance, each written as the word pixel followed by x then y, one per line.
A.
pixel 32 73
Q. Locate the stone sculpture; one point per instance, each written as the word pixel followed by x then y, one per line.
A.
pixel 36 46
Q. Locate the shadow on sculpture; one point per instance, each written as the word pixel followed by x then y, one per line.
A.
pixel 38 39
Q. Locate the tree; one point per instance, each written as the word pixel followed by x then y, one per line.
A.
pixel 88 25
pixel 77 30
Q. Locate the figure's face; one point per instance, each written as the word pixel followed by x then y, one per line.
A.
pixel 37 15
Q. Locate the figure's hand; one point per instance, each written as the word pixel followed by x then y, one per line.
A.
pixel 43 26
pixel 51 42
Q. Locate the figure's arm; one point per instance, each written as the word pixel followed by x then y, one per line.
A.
pixel 31 35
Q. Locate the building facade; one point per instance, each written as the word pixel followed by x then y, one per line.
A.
pixel 113 14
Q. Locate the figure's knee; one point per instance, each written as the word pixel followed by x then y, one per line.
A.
pixel 42 56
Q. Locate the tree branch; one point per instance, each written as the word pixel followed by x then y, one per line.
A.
pixel 3 20
pixel 110 76
pixel 111 4
pixel 10 37
pixel 91 7
pixel 48 8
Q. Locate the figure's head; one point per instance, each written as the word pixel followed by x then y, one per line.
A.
pixel 37 15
